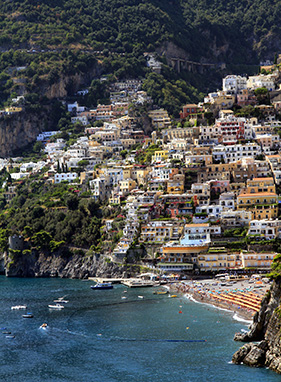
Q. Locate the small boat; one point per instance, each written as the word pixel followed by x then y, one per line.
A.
pixel 10 337
pixel 44 326
pixel 123 298
pixel 61 301
pixel 140 296
pixel 102 286
pixel 161 292
pixel 27 315
pixel 56 306
pixel 6 332
pixel 173 296
pixel 18 307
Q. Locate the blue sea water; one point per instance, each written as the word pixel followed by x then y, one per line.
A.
pixel 103 338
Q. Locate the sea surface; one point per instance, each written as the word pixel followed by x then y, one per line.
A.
pixel 100 336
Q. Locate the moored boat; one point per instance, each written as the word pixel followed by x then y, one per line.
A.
pixel 56 306
pixel 161 292
pixel 18 307
pixel 102 286
pixel 27 315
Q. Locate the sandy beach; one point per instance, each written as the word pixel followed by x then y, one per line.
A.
pixel 243 297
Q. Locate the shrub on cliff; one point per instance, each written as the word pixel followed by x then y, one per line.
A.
pixel 276 267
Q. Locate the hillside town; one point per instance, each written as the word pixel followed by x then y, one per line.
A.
pixel 198 194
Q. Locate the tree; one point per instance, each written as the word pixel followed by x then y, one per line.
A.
pixel 37 147
pixel 41 239
pixel 27 231
pixel 123 153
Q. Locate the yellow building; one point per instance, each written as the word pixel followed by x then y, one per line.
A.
pixel 216 261
pixel 176 184
pixel 142 174
pixel 257 260
pixel 127 185
pixel 128 142
pixel 182 253
pixel 13 109
pixel 160 119
pixel 260 185
pixel 160 155
pixel 263 205
pixel 128 172
pixel 198 160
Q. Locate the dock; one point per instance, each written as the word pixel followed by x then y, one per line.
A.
pixel 107 280
pixel 131 282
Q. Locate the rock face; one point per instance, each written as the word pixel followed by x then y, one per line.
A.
pixel 17 131
pixel 56 265
pixel 266 328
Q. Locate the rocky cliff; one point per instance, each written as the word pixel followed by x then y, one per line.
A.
pixel 18 130
pixel 58 265
pixel 266 329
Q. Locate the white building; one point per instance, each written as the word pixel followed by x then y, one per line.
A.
pixel 101 187
pixel 54 146
pixel 261 81
pixel 227 201
pixel 80 118
pixel 265 229
pixel 46 135
pixel 65 176
pixel 233 153
pixel 75 107
pixel 230 218
pixel 232 84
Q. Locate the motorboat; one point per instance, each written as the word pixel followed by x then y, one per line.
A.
pixel 59 301
pixel 10 337
pixel 160 292
pixel 102 286
pixel 140 297
pixel 56 306
pixel 18 307
pixel 27 315
pixel 44 326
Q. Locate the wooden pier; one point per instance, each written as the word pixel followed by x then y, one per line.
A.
pixel 131 282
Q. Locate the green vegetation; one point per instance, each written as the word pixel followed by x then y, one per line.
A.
pixel 50 216
pixel 45 42
pixel 276 267
pixel 132 26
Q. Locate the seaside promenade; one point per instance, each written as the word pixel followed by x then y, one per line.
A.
pixel 242 297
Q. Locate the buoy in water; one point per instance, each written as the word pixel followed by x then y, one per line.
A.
pixel 180 311
pixel 187 327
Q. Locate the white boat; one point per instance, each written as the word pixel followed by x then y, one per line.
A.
pixel 59 301
pixel 140 296
pixel 56 306
pixel 27 315
pixel 102 286
pixel 18 307
pixel 44 326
